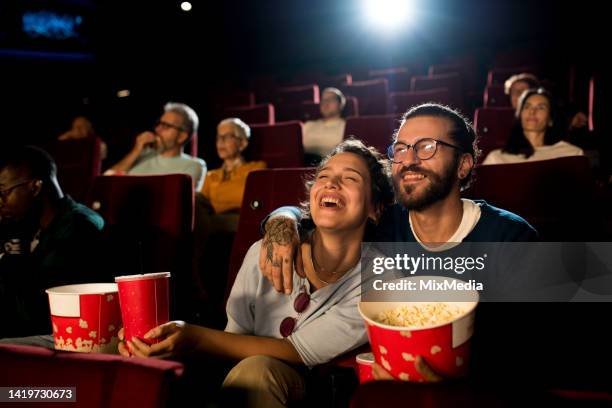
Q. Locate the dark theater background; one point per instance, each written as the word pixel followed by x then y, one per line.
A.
pixel 118 62
pixel 159 52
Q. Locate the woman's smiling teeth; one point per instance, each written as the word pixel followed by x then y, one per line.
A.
pixel 327 201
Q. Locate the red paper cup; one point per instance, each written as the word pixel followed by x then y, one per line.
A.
pixel 364 363
pixel 85 317
pixel 144 303
pixel 445 347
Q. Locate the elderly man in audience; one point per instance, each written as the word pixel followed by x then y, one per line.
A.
pixel 161 151
pixel 49 240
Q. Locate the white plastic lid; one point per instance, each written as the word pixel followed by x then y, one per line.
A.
pixel 142 276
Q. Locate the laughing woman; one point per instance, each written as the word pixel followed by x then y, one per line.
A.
pixel 274 336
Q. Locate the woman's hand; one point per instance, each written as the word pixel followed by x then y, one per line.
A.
pixel 178 339
pixel 379 373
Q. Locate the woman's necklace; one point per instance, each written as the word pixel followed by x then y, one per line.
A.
pixel 315 264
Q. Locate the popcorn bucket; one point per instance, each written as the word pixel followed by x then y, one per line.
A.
pixel 445 346
pixel 85 317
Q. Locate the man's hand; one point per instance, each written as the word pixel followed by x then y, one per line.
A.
pixel 179 339
pixel 280 251
pixel 146 139
pixel 379 373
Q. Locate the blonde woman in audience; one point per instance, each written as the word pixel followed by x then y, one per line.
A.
pixel 322 135
pixel 535 134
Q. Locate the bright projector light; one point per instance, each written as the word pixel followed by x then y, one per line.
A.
pixel 387 13
pixel 186 6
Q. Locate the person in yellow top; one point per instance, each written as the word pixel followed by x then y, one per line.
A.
pixel 224 187
pixel 218 202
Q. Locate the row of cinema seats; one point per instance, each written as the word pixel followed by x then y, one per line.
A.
pixel 383 91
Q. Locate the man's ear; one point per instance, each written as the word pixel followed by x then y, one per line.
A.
pixel 465 165
pixel 184 136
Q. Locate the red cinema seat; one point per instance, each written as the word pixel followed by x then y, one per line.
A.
pixel 452 82
pixel 467 72
pixel 497 76
pixel 279 145
pixel 297 111
pixel 543 192
pixel 374 131
pixel 78 163
pixel 400 102
pixel 297 94
pixel 265 191
pixel 518 58
pixel 311 111
pixel 398 78
pixel 149 223
pixel 238 98
pixel 495 97
pixel 335 81
pixel 252 115
pixel 101 380
pixel 371 95
pixel 493 126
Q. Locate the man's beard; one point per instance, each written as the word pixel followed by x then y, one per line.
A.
pixel 438 188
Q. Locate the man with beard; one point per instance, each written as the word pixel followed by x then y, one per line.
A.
pixel 433 155
pixel 50 240
pixel 161 151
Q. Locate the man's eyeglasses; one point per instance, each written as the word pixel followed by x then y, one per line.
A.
pixel 167 125
pixel 300 304
pixel 424 149
pixel 4 194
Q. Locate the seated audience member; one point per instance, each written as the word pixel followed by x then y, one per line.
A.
pixel 275 336
pixel 50 240
pixel 322 135
pixel 83 128
pixel 161 151
pixel 535 134
pixel 224 187
pixel 217 208
pixel 517 84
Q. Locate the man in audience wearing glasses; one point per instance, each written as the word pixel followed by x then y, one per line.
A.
pixel 161 151
pixel 48 240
